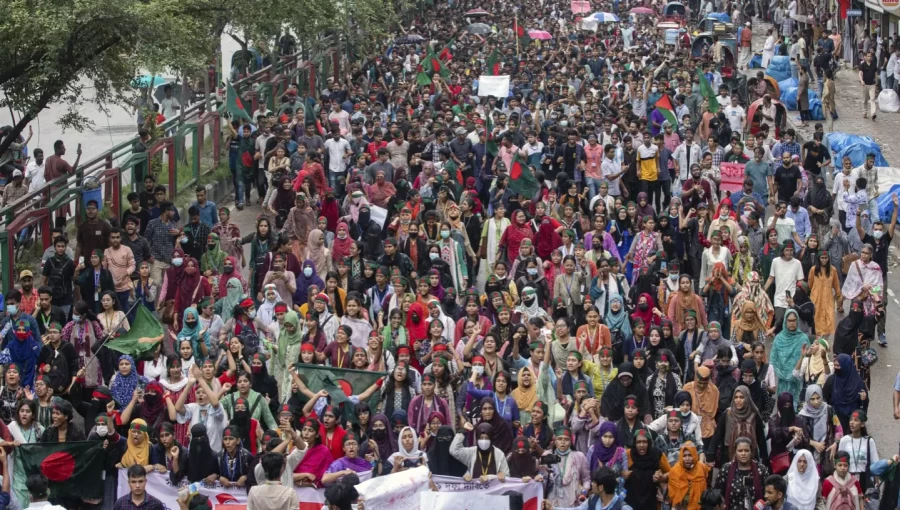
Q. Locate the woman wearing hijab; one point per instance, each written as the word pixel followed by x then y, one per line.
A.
pixel 614 396
pixel 753 291
pixel 501 432
pixel 482 460
pixel 522 464
pixel 644 461
pixel 687 479
pixel 846 335
pixel 785 430
pixel 137 451
pixel 606 450
pixel 308 277
pixel 125 381
pixel 261 243
pixel 803 480
pixel 317 252
pixel 385 440
pixel 191 289
pixel 340 247
pixel 819 202
pixel 202 465
pixel 683 301
pixel 646 311
pixel 845 390
pixel 617 319
pixel 663 385
pixel 408 454
pixel 818 425
pixel 786 351
pixel 748 329
pixel 742 419
pixel 288 352
pixel 213 260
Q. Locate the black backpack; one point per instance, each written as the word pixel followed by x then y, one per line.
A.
pixel 56 279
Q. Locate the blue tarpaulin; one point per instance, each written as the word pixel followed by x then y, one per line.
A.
pixel 815 109
pixel 721 16
pixel 789 97
pixel 886 203
pixel 855 146
pixel 755 62
pixel 779 68
pixel 788 83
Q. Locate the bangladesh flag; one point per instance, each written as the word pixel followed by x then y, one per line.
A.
pixel 422 79
pixel 664 105
pixel 433 64
pixel 490 144
pixel 445 54
pixel 521 33
pixel 706 91
pixel 73 469
pixel 493 64
pixel 143 336
pixel 233 104
pixel 521 178
pixel 340 384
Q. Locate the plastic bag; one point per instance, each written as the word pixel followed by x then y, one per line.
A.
pixel 888 101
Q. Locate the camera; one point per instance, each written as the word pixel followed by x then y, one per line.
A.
pixel 549 460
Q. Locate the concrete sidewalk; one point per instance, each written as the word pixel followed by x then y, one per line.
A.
pixel 849 100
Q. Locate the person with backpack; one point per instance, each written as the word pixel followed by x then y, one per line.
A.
pixel 58 275
pixel 842 490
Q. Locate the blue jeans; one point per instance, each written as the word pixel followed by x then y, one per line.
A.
pixel 593 185
pixel 125 304
pixel 238 182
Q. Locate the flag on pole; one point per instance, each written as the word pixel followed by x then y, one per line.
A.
pixel 142 337
pixel 445 55
pixel 233 104
pixel 522 179
pixel 521 33
pixel 664 105
pixel 490 144
pixel 433 65
pixel 422 79
pixel 72 468
pixel 493 64
pixel 341 384
pixel 706 91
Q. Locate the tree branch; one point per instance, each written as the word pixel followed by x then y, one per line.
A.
pixel 20 69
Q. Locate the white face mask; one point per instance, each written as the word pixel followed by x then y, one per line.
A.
pixel 478 369
pixel 177 261
pixel 102 430
pixel 484 444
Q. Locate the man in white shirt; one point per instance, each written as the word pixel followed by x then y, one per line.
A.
pixel 685 156
pixel 847 173
pixel 169 104
pixel 736 115
pixel 785 273
pixel 339 152
pixel 34 172
pixel 340 116
pixel 207 410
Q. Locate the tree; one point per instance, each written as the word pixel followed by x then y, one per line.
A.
pixel 50 51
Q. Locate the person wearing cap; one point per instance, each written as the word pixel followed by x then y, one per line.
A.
pixel 16 189
pixel 29 293
pixel 571 475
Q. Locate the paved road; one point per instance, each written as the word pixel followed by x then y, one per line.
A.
pixel 886 131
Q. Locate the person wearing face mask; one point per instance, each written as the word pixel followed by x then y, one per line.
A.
pixel 482 460
pixel 571 476
pixel 85 333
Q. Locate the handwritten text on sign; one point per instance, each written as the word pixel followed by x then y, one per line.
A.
pixel 732 176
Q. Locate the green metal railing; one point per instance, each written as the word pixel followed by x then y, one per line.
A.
pixel 120 169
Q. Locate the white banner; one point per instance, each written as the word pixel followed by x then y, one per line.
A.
pixel 497 86
pixel 160 487
pixel 392 492
pixel 455 501
pixel 377 214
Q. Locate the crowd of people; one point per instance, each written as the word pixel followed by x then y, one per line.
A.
pixel 630 335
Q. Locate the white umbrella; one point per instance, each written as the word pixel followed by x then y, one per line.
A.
pixel 604 17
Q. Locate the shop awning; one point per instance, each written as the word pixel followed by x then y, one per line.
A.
pixel 870 4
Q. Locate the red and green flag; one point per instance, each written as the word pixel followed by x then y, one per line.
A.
pixel 72 468
pixel 433 64
pixel 706 91
pixel 445 55
pixel 493 63
pixel 233 104
pixel 521 33
pixel 422 79
pixel 522 179
pixel 664 105
pixel 490 144
pixel 341 384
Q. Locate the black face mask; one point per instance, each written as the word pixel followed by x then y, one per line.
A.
pixel 228 269
pixel 643 306
pixel 597 247
pixel 241 415
pixel 379 434
pixel 211 246
pixel 416 319
pixel 414 234
pixel 190 324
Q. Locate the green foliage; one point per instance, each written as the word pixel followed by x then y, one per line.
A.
pixel 89 51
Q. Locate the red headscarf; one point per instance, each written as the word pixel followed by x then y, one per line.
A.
pixel 515 234
pixel 341 247
pixel 417 331
pixel 174 274
pixel 225 278
pixel 646 315
pixel 331 213
pixel 547 239
pixel 726 204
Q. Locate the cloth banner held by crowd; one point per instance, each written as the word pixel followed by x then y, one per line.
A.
pixel 456 501
pixel 732 176
pixel 580 7
pixel 497 86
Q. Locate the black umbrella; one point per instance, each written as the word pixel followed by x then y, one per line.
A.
pixel 478 29
pixel 408 39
